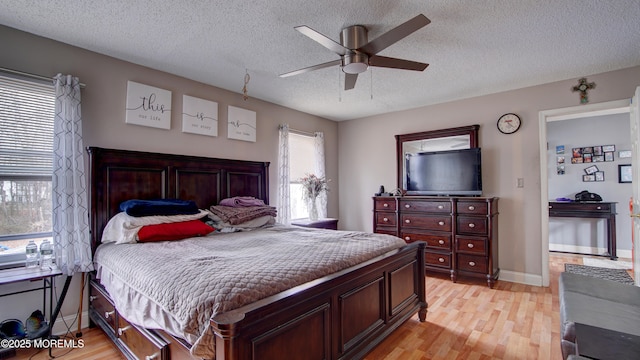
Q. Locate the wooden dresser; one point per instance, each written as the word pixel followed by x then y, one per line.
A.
pixel 461 232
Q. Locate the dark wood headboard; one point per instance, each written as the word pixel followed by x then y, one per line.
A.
pixel 119 175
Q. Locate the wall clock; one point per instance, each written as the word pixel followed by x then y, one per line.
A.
pixel 509 123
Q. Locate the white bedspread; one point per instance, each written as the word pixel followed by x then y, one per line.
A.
pixel 180 285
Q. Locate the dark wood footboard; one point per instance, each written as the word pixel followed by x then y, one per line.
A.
pixel 342 316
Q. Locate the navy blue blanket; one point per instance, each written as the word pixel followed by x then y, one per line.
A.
pixel 159 207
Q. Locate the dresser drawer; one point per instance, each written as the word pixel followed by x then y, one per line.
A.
pixel 432 206
pixel 472 225
pixel 102 305
pixel 385 219
pixel 438 260
pixel 472 207
pixel 580 207
pixel 389 230
pixel 471 245
pixel 472 263
pixel 141 342
pixel 387 204
pixel 442 242
pixel 438 223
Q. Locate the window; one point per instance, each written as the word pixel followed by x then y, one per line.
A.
pixel 26 151
pixel 302 160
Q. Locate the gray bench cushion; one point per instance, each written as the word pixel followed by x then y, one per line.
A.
pixel 598 302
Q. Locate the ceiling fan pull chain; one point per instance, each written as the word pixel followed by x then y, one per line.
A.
pixel 339 86
pixel 371 77
pixel 245 96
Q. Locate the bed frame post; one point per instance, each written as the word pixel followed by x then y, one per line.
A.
pixel 225 335
pixel 422 313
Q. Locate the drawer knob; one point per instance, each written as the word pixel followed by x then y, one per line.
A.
pixel 472 225
pixel 471 263
pixel 385 219
pixel 152 357
pixel 108 314
pixel 407 238
pixel 407 206
pixel 440 207
pixel 441 223
pixel 441 260
pixel 123 329
pixel 441 242
pixel 92 297
pixel 471 207
pixel 599 208
pixel 470 246
pixel 385 205
pixel 408 221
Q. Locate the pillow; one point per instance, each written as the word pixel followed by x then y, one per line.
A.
pixel 173 231
pixel 123 228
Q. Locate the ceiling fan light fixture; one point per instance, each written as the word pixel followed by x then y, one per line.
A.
pixel 355 63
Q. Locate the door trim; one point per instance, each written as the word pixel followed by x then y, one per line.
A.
pixel 568 113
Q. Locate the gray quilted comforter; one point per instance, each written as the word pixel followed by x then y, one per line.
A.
pixel 192 280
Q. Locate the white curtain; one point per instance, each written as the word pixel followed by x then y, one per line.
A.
pixel 284 197
pixel 71 238
pixel 320 172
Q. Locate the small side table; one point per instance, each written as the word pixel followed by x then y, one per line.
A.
pixel 14 275
pixel 326 223
pixel 598 343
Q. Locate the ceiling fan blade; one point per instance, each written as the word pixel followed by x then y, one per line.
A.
pixel 350 81
pixel 390 37
pixel 322 40
pixel 311 68
pixel 394 63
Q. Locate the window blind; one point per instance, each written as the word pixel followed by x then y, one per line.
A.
pixel 26 128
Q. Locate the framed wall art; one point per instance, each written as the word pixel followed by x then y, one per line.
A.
pixel 624 173
pixel 241 124
pixel 199 116
pixel 148 106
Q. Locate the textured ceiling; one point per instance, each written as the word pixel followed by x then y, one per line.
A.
pixel 473 47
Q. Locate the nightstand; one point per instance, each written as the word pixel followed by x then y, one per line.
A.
pixel 326 223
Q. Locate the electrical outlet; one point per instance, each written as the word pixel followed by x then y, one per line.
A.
pixel 520 182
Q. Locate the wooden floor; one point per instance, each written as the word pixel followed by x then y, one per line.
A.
pixel 466 320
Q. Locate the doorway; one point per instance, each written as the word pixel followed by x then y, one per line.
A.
pixel 544 117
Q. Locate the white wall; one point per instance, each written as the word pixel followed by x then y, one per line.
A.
pixel 364 167
pixel 589 235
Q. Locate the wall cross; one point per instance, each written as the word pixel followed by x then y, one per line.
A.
pixel 583 87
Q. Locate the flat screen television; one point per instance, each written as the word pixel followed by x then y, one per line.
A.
pixel 444 173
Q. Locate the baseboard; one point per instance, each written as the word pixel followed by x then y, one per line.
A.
pixel 60 326
pixel 587 250
pixel 520 278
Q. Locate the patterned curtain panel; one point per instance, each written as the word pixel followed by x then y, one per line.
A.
pixel 70 204
pixel 284 196
pixel 320 172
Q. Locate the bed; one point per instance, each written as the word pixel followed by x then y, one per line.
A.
pixel 344 314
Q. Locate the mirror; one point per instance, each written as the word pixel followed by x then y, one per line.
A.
pixel 437 140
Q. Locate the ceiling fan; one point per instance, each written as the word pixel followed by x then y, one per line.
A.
pixel 357 53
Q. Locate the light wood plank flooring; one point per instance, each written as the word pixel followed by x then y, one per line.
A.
pixel 466 320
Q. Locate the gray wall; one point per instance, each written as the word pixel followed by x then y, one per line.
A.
pixel 363 167
pixel 589 235
pixel 103 104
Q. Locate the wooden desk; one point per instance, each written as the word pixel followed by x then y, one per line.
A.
pixel 596 210
pixel 327 223
pixel 604 344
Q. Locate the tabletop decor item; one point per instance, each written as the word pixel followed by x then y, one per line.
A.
pixel 313 186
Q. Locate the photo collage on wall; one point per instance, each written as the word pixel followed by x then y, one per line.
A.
pixel 588 155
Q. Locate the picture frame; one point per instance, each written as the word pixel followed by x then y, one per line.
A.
pixel 599 175
pixel 560 170
pixel 597 150
pixel 588 178
pixel 625 174
pixel 560 149
pixel 608 156
pixel 587 150
pixel 148 106
pixel 597 158
pixel 622 154
pixel 577 152
pixel 587 157
pixel 591 169
pixel 560 160
pixel 577 160
pixel 241 124
pixel 608 148
pixel 199 116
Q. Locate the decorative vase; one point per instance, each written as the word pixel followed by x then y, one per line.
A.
pixel 312 207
